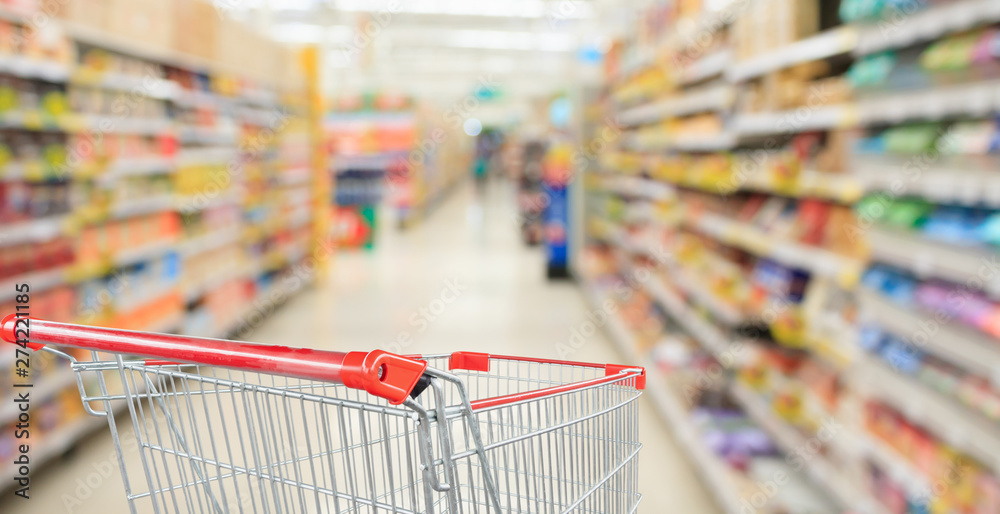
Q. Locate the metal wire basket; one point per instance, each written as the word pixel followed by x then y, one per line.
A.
pixel 224 426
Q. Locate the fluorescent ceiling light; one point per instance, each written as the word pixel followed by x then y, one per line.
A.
pixel 507 40
pixel 501 8
pixel 305 33
pixel 308 33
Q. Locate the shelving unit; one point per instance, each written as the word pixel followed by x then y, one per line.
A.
pixel 164 169
pixel 788 160
pixel 711 470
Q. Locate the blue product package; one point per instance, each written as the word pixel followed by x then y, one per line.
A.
pixel 875 276
pixel 989 231
pixel 899 288
pixel 171 268
pixel 902 356
pixel 956 225
pixel 870 338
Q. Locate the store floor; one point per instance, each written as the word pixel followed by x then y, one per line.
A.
pixel 460 280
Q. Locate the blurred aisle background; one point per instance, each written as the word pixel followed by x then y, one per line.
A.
pixel 786 210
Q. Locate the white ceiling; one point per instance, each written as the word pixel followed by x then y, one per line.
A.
pixel 441 50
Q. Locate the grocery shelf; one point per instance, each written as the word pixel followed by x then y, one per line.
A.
pixel 705 332
pixel 795 120
pixel 707 67
pixel 859 444
pixel 638 187
pixel 123 125
pixel 203 201
pixel 156 88
pixel 42 389
pixel 214 136
pixel 206 155
pixel 791 442
pixel 742 235
pixel 131 167
pixel 32 231
pixel 958 426
pixel 637 61
pixel 374 161
pixel 928 258
pixel 141 206
pixel 946 181
pixel 143 253
pixel 216 280
pixel 658 141
pixel 59 442
pixel 252 106
pixel 961 345
pixel 976 99
pixel 38 281
pixel 833 42
pixel 26 68
pixel 926 25
pixel 209 241
pixel 36 120
pixel 198 98
pixel 713 98
pixel 711 469
pixel 843 188
pixel 721 310
pixel 130 46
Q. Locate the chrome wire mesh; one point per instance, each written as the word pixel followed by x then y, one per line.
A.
pixel 573 452
pixel 215 440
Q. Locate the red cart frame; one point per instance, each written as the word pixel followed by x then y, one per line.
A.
pixel 227 426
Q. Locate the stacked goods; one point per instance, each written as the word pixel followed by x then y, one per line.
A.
pixel 805 194
pixel 151 178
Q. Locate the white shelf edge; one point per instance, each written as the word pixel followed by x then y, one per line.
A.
pixel 962 346
pixel 833 42
pixel 929 258
pixel 791 442
pixel 964 430
pixel 926 25
pixel 709 467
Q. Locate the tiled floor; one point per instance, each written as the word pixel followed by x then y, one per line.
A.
pixel 499 302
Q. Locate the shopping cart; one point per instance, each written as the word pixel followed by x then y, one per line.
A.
pixel 226 426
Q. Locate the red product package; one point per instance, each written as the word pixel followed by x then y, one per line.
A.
pixel 813 215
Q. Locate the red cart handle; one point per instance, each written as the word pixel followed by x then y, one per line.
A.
pixel 382 374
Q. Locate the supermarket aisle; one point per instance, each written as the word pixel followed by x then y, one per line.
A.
pixel 459 281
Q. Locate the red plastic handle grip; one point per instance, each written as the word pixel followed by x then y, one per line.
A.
pixel 379 373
